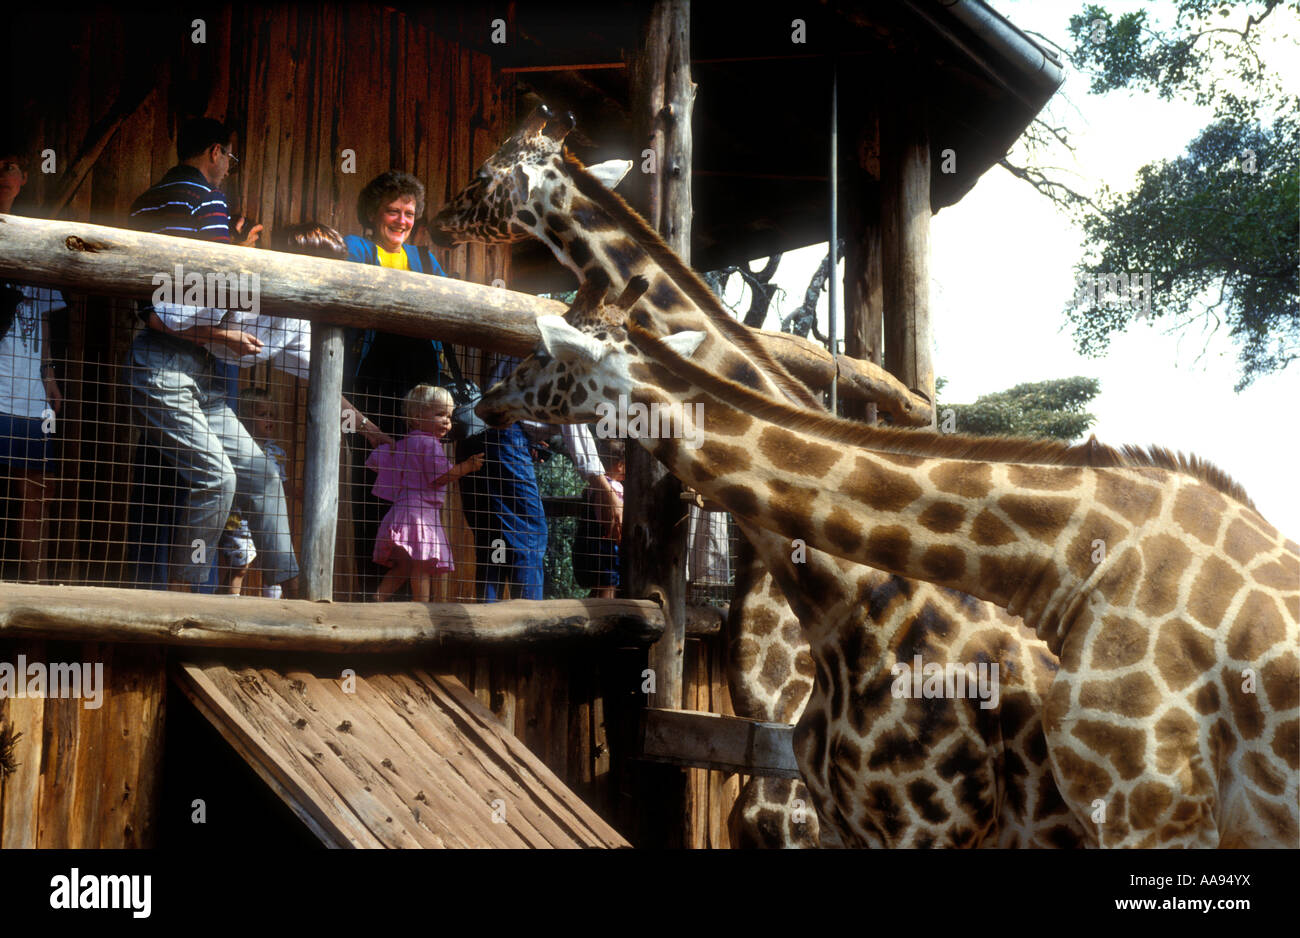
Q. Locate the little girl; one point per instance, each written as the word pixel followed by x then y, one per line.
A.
pixel 414 474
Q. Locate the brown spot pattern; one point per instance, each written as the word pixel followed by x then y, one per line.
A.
pixel 1258 627
pixel 1165 558
pixel 1121 746
pixel 963 479
pixel 879 488
pixel 1133 695
pixel 1127 497
pixel 988 530
pixel 785 449
pixel 1243 543
pixel 1042 517
pixel 1046 478
pixel 1096 527
pixel 1184 653
pixel 1197 513
pixel 1214 587
pixel 942 517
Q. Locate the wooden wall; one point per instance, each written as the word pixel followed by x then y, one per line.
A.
pixel 302 86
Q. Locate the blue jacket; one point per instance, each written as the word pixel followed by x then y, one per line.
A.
pixel 361 342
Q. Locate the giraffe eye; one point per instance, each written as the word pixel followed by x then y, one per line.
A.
pixel 542 357
pixel 483 173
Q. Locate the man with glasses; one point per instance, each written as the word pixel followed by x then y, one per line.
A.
pixel 181 388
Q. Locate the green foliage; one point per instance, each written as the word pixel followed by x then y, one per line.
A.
pixel 1204 225
pixel 558 477
pixel 1038 409
pixel 1216 227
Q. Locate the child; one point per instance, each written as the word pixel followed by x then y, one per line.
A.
pixel 414 474
pixel 595 549
pixel 256 411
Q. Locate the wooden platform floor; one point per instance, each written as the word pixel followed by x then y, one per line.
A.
pixel 409 759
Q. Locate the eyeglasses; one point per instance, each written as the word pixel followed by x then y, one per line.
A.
pixel 234 160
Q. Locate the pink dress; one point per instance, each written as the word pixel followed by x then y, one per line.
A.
pixel 406 472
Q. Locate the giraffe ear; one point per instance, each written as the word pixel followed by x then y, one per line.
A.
pixel 561 340
pixel 611 172
pixel 684 344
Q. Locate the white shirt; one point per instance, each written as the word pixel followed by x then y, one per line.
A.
pixel 286 343
pixel 22 392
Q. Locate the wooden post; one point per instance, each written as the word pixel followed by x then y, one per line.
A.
pixel 655 520
pixel 905 219
pixel 863 311
pixel 320 500
pixel 654 541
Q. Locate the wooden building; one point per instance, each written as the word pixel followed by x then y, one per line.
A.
pixel 325 97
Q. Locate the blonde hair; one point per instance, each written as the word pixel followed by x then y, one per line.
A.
pixel 421 398
pixel 248 397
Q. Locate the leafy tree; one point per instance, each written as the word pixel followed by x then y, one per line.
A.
pixel 1037 409
pixel 1215 228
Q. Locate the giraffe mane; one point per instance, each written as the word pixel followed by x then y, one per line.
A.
pixel 926 443
pixel 689 281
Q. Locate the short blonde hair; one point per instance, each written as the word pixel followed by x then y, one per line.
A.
pixel 249 398
pixel 421 398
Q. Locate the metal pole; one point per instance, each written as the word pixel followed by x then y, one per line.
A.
pixel 835 237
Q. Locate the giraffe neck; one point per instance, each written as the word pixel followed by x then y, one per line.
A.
pixel 593 231
pixel 1042 541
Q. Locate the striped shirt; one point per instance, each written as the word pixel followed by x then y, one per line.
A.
pixel 183 204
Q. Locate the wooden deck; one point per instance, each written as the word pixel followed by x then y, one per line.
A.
pixel 408 759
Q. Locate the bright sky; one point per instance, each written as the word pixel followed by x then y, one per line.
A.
pixel 1002 272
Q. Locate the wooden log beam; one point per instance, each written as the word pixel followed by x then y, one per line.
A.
pixel 88 613
pixel 100 260
pixel 711 741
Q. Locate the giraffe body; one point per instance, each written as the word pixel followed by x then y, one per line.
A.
pixel 883 770
pixel 1173 605
pixel 530 187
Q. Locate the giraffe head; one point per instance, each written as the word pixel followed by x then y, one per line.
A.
pixel 505 201
pixel 583 361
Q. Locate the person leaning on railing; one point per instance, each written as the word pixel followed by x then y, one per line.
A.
pixel 29 392
pixel 177 384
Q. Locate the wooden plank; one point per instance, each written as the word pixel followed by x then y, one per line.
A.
pixel 376 792
pixel 509 747
pixel 709 740
pixel 484 780
pixel 132 774
pixel 101 614
pixel 22 788
pixel 326 816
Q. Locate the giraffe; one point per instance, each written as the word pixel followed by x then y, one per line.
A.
pixel 532 187
pixel 884 769
pixel 770 673
pixel 1174 607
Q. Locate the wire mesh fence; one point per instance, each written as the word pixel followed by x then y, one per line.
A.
pixel 130 457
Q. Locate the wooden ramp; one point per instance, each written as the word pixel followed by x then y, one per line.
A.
pixel 408 759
